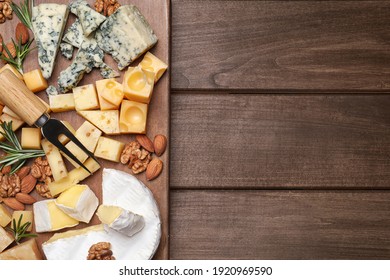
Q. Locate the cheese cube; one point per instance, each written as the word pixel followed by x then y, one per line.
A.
pixel 31 138
pixel 62 138
pixel 35 81
pixel 138 84
pixel 113 93
pixel 5 239
pixel 27 217
pixel 62 102
pixel 106 121
pixel 5 216
pixel 48 217
pixel 55 160
pixel 74 177
pixel 153 64
pixel 79 202
pixel 8 111
pixel 16 123
pixel 133 117
pixel 13 70
pixel 27 250
pixel 104 105
pixel 85 98
pixel 109 149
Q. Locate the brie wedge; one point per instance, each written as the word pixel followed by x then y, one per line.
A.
pixel 79 202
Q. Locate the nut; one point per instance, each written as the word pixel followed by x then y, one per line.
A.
pixel 100 251
pixel 23 172
pixel 11 48
pixel 28 184
pixel 40 169
pixel 154 169
pixel 43 188
pixel 1 42
pixel 6 169
pixel 9 185
pixel 145 142
pixel 12 203
pixel 25 198
pixel 160 144
pixel 21 33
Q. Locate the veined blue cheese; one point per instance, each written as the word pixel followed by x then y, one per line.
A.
pixel 48 21
pixel 126 35
pixel 74 34
pixel 66 50
pixel 107 72
pixel 71 76
pixel 51 90
pixel 90 19
pixel 75 4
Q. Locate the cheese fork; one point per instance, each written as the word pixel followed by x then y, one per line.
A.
pixel 15 95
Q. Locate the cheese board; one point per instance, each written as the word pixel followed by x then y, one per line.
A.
pixel 157 15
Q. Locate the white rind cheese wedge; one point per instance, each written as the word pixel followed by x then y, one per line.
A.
pixel 48 22
pixel 120 219
pixel 123 190
pixel 48 217
pixel 79 202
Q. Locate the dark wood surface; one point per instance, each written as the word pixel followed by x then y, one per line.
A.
pixel 280 130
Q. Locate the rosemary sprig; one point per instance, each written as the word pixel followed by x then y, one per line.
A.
pixel 19 230
pixel 23 12
pixel 16 155
pixel 21 52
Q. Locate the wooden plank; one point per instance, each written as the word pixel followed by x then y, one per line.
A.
pixel 279 225
pixel 282 46
pixel 280 141
pixel 158 15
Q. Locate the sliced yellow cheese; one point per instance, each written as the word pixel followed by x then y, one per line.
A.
pixel 13 70
pixel 48 217
pixel 5 239
pixel 5 216
pixel 109 149
pixel 35 81
pixel 138 84
pixel 62 138
pixel 27 217
pixel 27 250
pixel 8 111
pixel 133 117
pixel 153 64
pixel 55 160
pixel 16 123
pixel 62 102
pixel 113 93
pixel 74 177
pixel 106 121
pixel 31 138
pixel 104 105
pixel 85 98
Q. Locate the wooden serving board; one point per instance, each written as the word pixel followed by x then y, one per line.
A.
pixel 157 12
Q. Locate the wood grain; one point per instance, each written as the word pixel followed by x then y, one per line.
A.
pixel 281 46
pixel 279 225
pixel 280 141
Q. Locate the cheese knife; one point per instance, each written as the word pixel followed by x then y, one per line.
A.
pixel 15 95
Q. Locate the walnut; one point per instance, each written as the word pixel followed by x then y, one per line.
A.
pixel 9 185
pixel 136 157
pixel 40 169
pixel 100 251
pixel 106 7
pixel 99 6
pixel 5 10
pixel 42 188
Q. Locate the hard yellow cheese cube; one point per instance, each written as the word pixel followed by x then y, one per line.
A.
pixel 8 111
pixel 62 138
pixel 27 250
pixel 104 105
pixel 133 117
pixel 31 138
pixel 5 239
pixel 27 217
pixel 85 98
pixel 109 149
pixel 106 121
pixel 5 216
pixel 55 160
pixel 62 102
pixel 13 70
pixel 153 64
pixel 16 123
pixel 35 81
pixel 138 84
pixel 113 93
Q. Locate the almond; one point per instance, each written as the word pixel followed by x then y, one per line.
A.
pixel 11 48
pixel 25 198
pixel 28 184
pixel 21 33
pixel 6 169
pixel 154 169
pixel 160 144
pixel 23 172
pixel 1 43
pixel 12 203
pixel 145 142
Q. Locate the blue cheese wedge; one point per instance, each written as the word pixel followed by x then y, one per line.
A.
pixel 66 50
pixel 71 76
pixel 90 19
pixel 73 6
pixel 48 21
pixel 107 72
pixel 126 35
pixel 51 90
pixel 74 34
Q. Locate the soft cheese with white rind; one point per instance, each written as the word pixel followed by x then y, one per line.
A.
pixel 126 35
pixel 126 191
pixel 122 220
pixel 48 22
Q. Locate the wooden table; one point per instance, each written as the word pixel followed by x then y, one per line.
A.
pixel 280 130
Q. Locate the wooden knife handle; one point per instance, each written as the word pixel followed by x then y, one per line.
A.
pixel 15 95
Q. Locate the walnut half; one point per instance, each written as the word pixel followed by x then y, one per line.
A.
pixel 136 157
pixel 100 251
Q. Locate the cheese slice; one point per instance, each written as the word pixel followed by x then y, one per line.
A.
pixel 152 63
pixel 121 220
pixel 104 105
pixel 106 121
pixel 27 250
pixel 5 216
pixel 113 93
pixel 55 160
pixel 48 21
pixel 48 217
pixel 5 239
pixel 126 191
pixel 79 202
